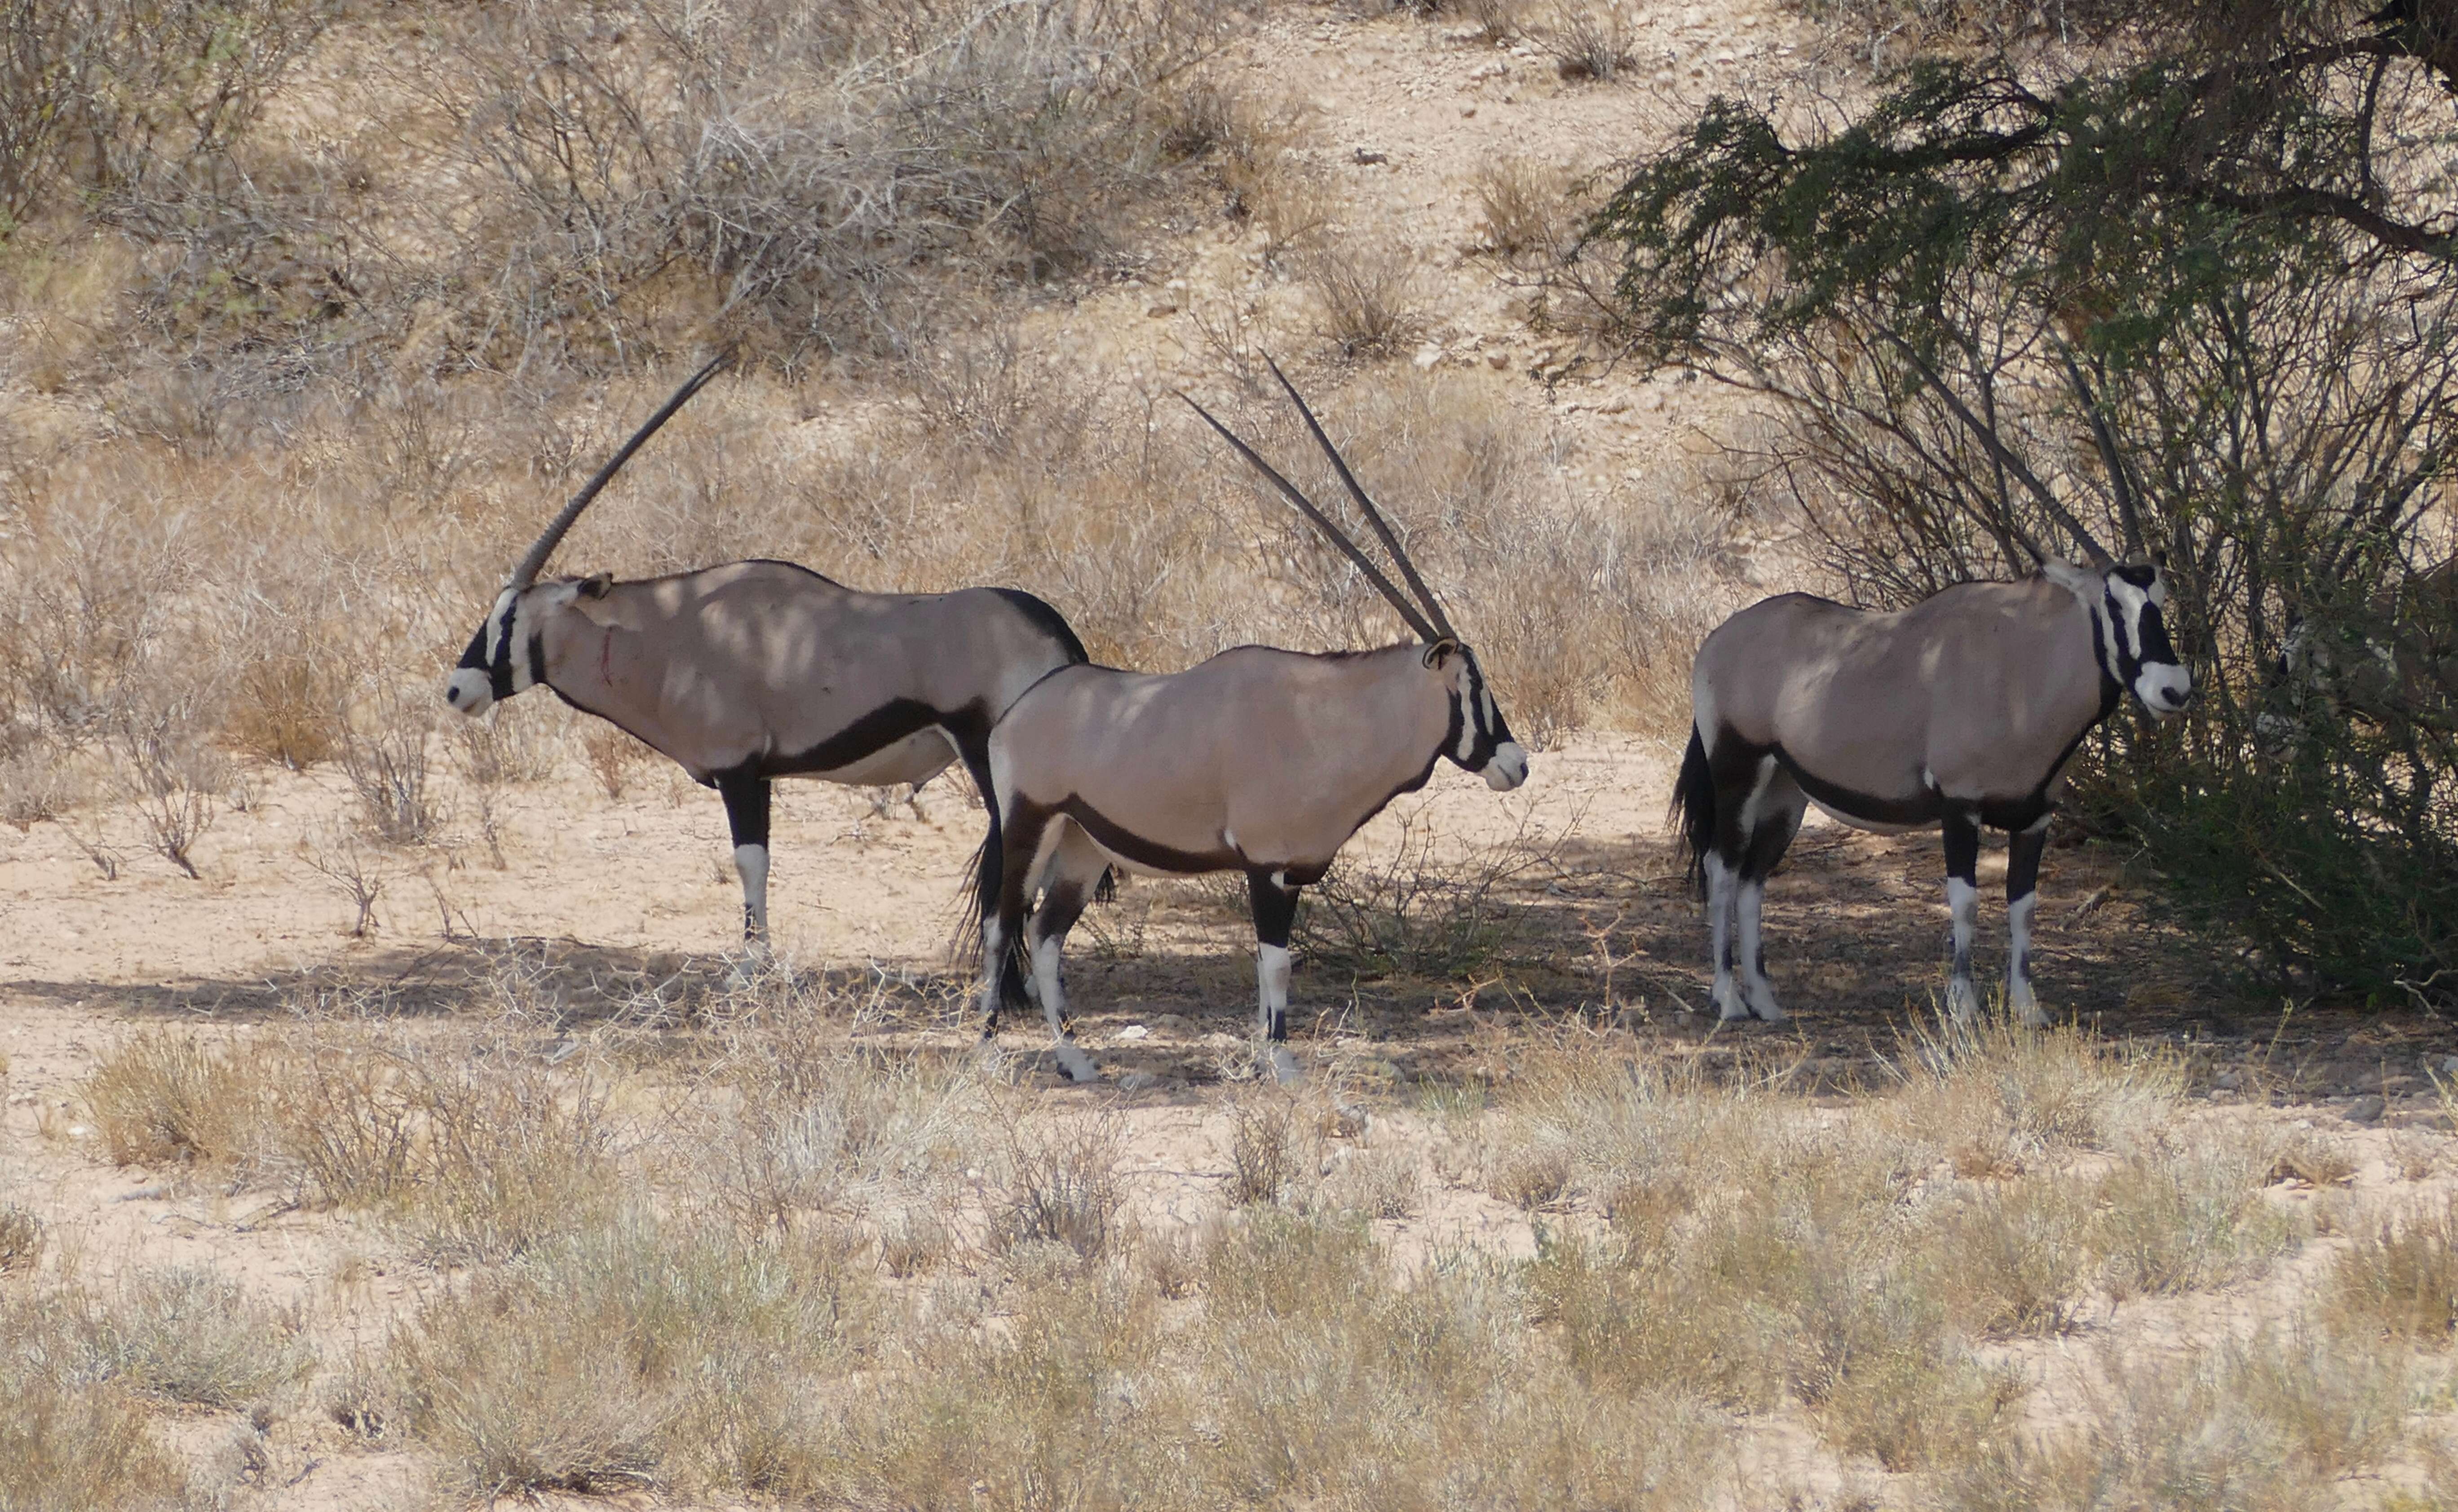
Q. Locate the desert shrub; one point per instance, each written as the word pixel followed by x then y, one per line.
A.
pixel 21 1238
pixel 1368 299
pixel 1523 206
pixel 1589 39
pixel 68 1440
pixel 2264 1425
pixel 1420 911
pixel 625 1356
pixel 1062 1188
pixel 2399 1279
pixel 2190 1216
pixel 191 1334
pixel 165 1099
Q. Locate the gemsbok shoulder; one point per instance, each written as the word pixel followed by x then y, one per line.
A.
pixel 1258 761
pixel 759 669
pixel 1958 711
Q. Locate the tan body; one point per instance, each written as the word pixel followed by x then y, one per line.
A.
pixel 1976 696
pixel 770 666
pixel 1257 757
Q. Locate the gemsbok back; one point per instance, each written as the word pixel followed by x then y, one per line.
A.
pixel 1258 760
pixel 1959 711
pixel 760 670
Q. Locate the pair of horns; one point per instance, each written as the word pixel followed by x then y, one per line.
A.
pixel 2127 513
pixel 527 573
pixel 1430 624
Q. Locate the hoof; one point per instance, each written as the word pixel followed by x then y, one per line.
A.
pixel 1286 1069
pixel 1771 1014
pixel 1077 1064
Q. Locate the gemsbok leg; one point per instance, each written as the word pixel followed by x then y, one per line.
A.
pixel 1275 909
pixel 1063 866
pixel 1766 807
pixel 746 815
pixel 1963 900
pixel 2023 849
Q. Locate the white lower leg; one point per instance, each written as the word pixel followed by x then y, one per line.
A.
pixel 1755 989
pixel 1964 901
pixel 1720 940
pixel 751 864
pixel 1054 1008
pixel 2018 964
pixel 1272 1000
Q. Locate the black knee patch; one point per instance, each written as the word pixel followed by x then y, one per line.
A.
pixel 1274 908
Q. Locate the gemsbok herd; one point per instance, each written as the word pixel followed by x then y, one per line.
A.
pixel 1960 712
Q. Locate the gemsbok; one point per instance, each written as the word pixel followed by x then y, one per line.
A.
pixel 1258 760
pixel 759 670
pixel 1958 711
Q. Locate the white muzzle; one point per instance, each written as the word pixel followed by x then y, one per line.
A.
pixel 1508 767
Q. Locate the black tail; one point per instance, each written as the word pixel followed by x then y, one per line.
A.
pixel 1693 810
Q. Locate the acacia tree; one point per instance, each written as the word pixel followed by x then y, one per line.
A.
pixel 2210 270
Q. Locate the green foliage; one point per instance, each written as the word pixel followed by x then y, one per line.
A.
pixel 2221 268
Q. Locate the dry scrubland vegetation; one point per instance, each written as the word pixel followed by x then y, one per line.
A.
pixel 309 312
pixel 319 310
pixel 755 1257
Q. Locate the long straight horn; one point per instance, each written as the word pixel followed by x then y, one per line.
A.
pixel 1373 515
pixel 1322 522
pixel 527 573
pixel 2127 516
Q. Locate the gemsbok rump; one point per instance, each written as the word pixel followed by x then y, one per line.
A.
pixel 1258 760
pixel 760 670
pixel 1959 711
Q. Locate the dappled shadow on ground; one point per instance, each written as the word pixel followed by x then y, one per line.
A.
pixel 1592 936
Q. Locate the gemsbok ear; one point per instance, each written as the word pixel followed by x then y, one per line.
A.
pixel 596 587
pixel 1441 651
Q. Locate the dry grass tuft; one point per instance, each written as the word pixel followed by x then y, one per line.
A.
pixel 1369 300
pixel 1997 1096
pixel 2399 1280
pixel 1589 39
pixel 1062 1187
pixel 1525 206
pixel 164 1099
pixel 2263 1426
pixel 2190 1215
pixel 2015 1261
pixel 193 1336
pixel 623 1358
pixel 1275 1149
pixel 69 1441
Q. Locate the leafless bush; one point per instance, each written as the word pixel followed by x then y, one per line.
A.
pixel 1369 300
pixel 357 872
pixel 384 754
pixel 613 754
pixel 1063 1187
pixel 1425 910
pixel 176 780
pixel 284 705
pixel 1589 39
pixel 35 786
pixel 1274 1149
